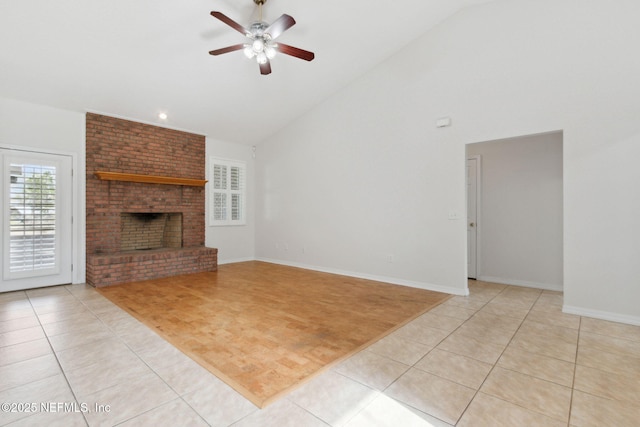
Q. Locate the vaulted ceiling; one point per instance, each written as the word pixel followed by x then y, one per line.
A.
pixel 135 59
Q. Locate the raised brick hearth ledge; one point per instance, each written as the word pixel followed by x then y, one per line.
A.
pixel 135 266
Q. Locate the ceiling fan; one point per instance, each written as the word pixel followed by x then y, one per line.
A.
pixel 262 46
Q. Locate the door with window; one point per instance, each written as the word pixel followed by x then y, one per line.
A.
pixel 36 219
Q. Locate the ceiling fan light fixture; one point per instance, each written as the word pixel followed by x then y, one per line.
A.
pixel 262 35
pixel 258 45
pixel 270 50
pixel 261 58
pixel 262 49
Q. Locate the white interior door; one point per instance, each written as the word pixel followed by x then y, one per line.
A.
pixel 473 169
pixel 36 219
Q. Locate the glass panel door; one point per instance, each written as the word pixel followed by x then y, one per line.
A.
pixel 36 224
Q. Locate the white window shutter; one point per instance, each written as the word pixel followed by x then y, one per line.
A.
pixel 228 192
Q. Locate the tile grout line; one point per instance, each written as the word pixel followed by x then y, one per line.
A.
pixel 427 353
pixel 497 360
pixel 63 371
pixel 179 396
pixel 575 368
pixel 55 354
pixel 382 391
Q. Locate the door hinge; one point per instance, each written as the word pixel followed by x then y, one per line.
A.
pixel 71 267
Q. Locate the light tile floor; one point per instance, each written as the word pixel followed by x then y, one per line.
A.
pixel 503 356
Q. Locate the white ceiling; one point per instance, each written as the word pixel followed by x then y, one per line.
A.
pixel 134 59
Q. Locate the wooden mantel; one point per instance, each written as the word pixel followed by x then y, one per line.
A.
pixel 149 179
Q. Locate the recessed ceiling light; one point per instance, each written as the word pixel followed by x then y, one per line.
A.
pixel 162 116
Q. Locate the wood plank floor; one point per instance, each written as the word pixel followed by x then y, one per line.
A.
pixel 265 328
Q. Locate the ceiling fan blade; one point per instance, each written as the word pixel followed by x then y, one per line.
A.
pixel 265 68
pixel 230 22
pixel 226 49
pixel 280 25
pixel 294 51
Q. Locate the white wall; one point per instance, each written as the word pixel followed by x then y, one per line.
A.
pixel 520 214
pixel 367 174
pixel 38 127
pixel 234 243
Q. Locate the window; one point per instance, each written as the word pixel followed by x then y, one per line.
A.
pixel 32 223
pixel 227 194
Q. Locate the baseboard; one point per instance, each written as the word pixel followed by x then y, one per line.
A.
pixel 603 315
pixel 235 260
pixel 525 283
pixel 385 279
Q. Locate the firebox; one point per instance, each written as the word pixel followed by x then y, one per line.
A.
pixel 150 230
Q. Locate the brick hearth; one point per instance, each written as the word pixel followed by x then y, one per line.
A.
pixel 116 145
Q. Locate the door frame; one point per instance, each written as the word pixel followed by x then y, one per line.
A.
pixel 77 246
pixel 478 225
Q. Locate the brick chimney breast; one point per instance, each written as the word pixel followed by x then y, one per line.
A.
pixel 117 145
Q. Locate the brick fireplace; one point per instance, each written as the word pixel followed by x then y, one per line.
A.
pixel 138 230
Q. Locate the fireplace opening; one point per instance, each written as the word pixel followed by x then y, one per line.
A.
pixel 143 231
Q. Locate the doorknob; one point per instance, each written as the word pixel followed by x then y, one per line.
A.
pixel 472 224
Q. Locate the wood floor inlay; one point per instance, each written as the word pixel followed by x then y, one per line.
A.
pixel 265 328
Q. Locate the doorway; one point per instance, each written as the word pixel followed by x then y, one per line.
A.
pixel 519 222
pixel 36 219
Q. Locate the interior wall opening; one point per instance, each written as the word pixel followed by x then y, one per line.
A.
pixel 518 224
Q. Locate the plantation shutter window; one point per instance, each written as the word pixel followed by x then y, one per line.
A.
pixel 228 192
pixel 32 220
pixel 219 192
